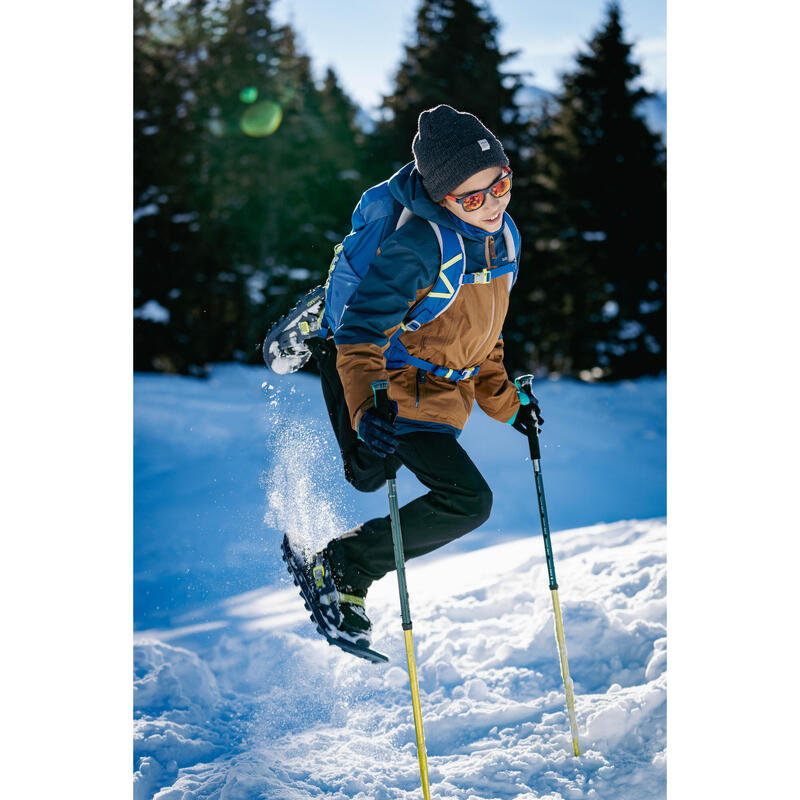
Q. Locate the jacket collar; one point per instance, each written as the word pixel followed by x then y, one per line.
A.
pixel 406 187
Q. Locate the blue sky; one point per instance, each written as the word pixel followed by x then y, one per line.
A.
pixel 363 40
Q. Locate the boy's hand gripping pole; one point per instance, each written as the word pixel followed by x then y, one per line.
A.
pixel 380 393
pixel 524 383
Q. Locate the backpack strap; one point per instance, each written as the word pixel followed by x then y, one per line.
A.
pixel 397 356
pixel 512 240
pixel 444 291
pixel 434 303
pixel 510 235
pixel 488 275
pixel 452 276
pixel 405 216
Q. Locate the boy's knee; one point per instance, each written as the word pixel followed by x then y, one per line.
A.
pixel 365 480
pixel 368 483
pixel 481 506
pixel 366 471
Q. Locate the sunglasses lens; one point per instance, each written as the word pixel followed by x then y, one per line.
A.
pixel 502 186
pixel 473 202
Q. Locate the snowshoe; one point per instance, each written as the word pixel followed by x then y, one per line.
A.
pixel 339 617
pixel 284 348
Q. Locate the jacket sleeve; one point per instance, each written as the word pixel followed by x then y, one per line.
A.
pixel 390 287
pixel 494 392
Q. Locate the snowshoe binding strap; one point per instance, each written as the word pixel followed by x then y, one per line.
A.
pixel 302 575
pixel 285 349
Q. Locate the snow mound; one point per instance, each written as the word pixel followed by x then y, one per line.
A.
pixel 175 694
pixel 168 677
pixel 256 706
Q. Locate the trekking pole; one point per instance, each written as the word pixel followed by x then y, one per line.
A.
pixel 525 384
pixel 380 392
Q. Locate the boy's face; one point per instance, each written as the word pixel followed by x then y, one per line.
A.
pixel 489 216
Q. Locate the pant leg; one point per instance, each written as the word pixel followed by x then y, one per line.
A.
pixel 459 501
pixel 362 468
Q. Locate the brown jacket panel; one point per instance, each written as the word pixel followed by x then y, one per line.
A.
pixel 467 334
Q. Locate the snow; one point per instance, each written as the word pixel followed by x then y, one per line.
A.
pixel 237 697
pixel 152 310
pixel 145 211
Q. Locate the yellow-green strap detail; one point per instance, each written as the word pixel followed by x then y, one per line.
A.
pixel 352 599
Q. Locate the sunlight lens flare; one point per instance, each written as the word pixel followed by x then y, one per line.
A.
pixel 261 119
pixel 249 95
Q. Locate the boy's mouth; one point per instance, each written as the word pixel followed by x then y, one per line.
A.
pixel 495 218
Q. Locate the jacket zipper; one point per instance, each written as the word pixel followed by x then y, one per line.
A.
pixel 485 338
pixel 492 289
pixel 420 379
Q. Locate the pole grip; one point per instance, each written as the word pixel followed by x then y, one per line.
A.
pixel 525 384
pixel 533 445
pixel 380 395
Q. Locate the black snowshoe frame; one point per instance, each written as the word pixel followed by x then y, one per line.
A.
pixel 295 569
pixel 285 341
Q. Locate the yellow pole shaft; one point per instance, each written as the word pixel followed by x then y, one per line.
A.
pixel 562 654
pixel 421 753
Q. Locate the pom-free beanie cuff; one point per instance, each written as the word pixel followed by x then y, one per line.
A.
pixel 451 146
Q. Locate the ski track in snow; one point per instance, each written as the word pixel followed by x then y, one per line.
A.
pixel 237 698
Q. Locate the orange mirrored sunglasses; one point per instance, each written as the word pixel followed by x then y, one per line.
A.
pixel 472 202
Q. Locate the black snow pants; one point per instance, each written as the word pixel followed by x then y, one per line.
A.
pixel 458 501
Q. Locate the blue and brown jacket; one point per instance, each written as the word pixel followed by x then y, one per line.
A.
pixel 467 334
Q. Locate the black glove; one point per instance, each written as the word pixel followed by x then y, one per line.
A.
pixel 377 432
pixel 529 417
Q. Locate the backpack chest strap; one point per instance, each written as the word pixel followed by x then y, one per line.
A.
pixel 397 356
pixel 488 275
pixel 454 375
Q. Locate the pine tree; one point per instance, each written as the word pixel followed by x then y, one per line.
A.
pixel 165 229
pixel 239 184
pixel 454 58
pixel 596 298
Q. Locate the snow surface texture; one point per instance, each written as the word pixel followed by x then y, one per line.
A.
pixel 237 698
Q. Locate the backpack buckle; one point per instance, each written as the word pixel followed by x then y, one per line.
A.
pixel 484 276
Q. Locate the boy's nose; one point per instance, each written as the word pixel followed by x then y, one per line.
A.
pixel 492 204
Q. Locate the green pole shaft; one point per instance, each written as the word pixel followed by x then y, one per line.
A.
pixel 397 540
pixel 380 393
pixel 533 445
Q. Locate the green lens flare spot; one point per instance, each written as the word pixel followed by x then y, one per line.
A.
pixel 261 119
pixel 249 95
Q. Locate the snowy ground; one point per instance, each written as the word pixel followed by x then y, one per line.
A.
pixel 237 698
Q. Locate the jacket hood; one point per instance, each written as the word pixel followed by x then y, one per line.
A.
pixel 406 187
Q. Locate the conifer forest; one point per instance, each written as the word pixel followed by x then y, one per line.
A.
pixel 247 167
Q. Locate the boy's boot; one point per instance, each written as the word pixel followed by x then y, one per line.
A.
pixel 285 349
pixel 342 606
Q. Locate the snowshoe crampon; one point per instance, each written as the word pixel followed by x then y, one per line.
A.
pixel 307 591
pixel 284 348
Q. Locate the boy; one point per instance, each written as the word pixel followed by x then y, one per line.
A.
pixel 460 181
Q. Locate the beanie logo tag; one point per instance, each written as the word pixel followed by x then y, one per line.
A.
pixel 484 144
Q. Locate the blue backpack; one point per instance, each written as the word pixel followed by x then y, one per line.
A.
pixel 378 215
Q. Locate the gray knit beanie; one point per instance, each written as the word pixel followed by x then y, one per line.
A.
pixel 451 146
